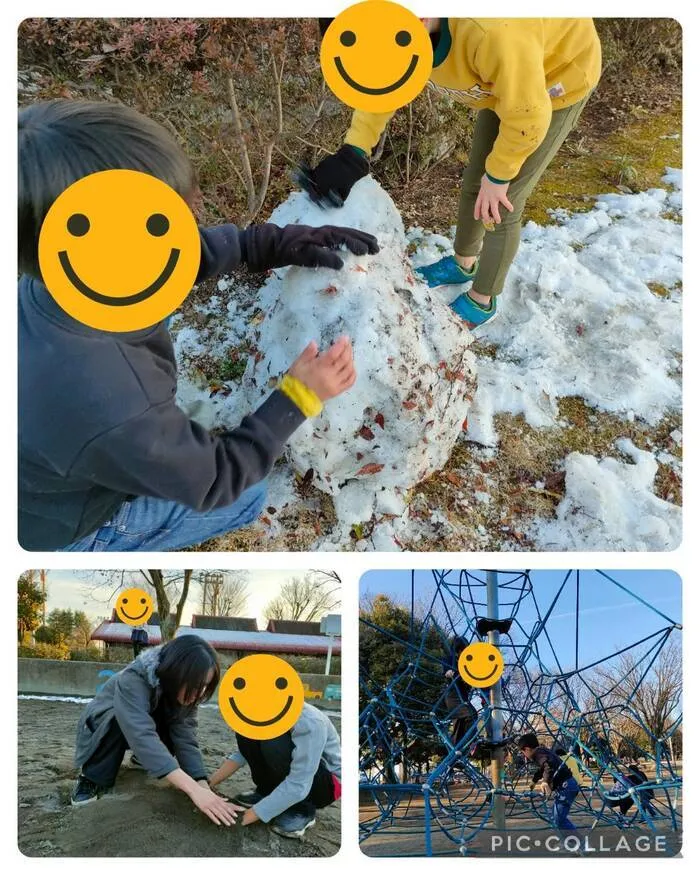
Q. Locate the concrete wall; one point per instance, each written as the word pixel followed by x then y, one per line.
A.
pixel 61 677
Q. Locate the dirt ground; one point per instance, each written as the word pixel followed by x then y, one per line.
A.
pixel 141 817
pixel 527 836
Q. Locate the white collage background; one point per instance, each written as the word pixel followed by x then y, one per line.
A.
pixel 350 566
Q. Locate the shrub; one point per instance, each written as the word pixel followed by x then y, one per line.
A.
pixel 177 71
pixel 88 654
pixel 631 44
pixel 44 651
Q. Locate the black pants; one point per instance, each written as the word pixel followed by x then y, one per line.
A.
pixel 103 766
pixel 270 762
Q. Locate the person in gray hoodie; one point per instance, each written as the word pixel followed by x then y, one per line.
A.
pixel 150 707
pixel 294 774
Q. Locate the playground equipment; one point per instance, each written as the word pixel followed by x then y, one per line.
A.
pixel 433 793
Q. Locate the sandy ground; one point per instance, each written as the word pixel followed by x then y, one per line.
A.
pixel 527 836
pixel 141 817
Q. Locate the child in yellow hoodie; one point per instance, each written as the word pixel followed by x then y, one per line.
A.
pixel 529 79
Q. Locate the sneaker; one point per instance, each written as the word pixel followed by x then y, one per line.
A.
pixel 84 791
pixel 247 800
pixel 292 825
pixel 446 272
pixel 473 314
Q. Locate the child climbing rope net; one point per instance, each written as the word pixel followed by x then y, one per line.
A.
pixel 439 762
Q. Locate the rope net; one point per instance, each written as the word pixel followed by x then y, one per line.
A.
pixel 426 739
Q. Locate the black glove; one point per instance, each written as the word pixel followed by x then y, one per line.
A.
pixel 333 178
pixel 267 246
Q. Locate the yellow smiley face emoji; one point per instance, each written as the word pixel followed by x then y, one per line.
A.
pixel 134 606
pixel 261 696
pixel 376 56
pixel 119 250
pixel 480 664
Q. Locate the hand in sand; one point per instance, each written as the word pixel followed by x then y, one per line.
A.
pixel 216 808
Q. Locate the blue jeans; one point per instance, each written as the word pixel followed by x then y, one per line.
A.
pixel 563 800
pixel 157 524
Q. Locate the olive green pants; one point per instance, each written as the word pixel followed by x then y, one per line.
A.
pixel 501 244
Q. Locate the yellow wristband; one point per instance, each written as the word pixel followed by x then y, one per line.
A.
pixel 305 399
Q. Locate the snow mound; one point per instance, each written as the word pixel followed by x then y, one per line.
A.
pixel 415 373
pixel 578 317
pixel 610 505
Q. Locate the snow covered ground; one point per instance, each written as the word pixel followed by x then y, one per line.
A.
pixel 592 309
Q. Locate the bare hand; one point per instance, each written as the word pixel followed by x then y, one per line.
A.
pixel 215 807
pixel 328 374
pixel 249 817
pixel 449 673
pixel 491 194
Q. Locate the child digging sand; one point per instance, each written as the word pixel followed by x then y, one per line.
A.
pixel 294 774
pixel 107 460
pixel 150 706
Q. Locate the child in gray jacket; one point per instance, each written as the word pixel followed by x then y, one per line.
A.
pixel 294 774
pixel 151 707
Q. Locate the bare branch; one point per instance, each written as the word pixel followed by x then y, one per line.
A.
pixel 238 132
pixel 408 144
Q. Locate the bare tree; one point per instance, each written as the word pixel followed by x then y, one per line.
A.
pixel 224 593
pixel 654 692
pixel 164 589
pixel 170 588
pixel 83 630
pixel 306 598
pixel 256 191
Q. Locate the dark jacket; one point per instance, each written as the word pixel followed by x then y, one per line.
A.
pixel 459 691
pixel 551 768
pixel 98 422
pixel 131 697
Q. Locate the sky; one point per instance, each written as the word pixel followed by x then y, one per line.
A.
pixel 77 590
pixel 609 617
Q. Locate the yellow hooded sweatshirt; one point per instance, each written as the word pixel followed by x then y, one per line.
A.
pixel 521 68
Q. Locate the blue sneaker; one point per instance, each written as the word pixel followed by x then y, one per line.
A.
pixel 472 313
pixel 446 272
pixel 292 825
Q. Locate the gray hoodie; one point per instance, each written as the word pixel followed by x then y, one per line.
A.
pixel 131 697
pixel 315 741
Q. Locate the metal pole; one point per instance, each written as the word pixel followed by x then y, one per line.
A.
pixel 330 653
pixel 499 818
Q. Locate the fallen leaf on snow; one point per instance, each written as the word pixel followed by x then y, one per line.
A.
pixel 370 468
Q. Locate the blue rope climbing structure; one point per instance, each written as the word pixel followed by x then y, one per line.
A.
pixel 426 789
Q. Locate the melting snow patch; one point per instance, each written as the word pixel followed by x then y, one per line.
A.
pixel 610 505
pixel 577 316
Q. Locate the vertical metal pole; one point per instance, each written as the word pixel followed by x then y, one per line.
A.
pixel 331 641
pixel 497 768
pixel 578 596
pixel 413 602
